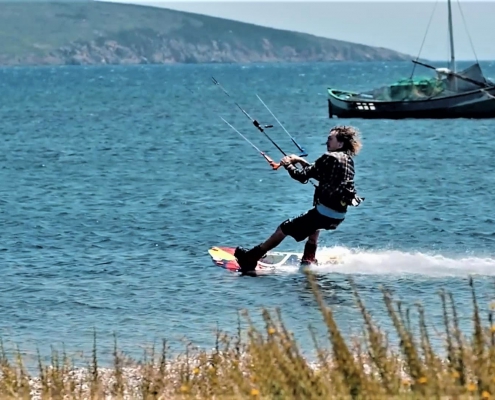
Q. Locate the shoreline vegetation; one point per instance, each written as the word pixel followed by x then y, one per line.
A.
pixel 107 33
pixel 268 364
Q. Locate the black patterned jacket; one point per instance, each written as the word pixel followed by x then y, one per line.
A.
pixel 335 173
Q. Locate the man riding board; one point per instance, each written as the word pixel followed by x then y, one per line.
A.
pixel 334 171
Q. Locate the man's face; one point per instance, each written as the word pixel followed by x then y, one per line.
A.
pixel 333 143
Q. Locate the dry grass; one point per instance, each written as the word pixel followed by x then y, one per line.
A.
pixel 269 365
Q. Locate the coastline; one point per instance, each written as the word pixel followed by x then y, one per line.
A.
pixel 99 33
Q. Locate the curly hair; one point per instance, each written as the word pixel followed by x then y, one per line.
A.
pixel 349 136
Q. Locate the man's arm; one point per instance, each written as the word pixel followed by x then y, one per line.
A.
pixel 309 171
pixel 301 175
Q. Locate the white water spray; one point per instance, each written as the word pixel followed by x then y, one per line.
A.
pixel 394 262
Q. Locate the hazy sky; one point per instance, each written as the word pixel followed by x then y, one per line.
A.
pixel 399 25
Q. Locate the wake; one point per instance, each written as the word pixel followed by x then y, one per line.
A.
pixel 392 262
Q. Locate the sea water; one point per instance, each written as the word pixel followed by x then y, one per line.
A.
pixel 116 180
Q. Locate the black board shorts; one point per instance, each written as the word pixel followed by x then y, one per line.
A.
pixel 304 225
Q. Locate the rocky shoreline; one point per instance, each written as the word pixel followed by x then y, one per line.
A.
pixel 172 51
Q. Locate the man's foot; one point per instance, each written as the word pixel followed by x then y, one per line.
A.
pixel 248 259
pixel 246 263
pixel 305 263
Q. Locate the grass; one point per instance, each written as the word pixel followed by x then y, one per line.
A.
pixel 269 365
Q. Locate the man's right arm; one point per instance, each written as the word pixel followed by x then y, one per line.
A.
pixel 300 175
pixel 309 170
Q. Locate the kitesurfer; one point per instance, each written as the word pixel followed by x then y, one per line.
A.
pixel 334 170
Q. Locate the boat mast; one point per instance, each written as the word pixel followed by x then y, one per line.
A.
pixel 451 36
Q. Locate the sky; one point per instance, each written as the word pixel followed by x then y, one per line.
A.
pixel 395 24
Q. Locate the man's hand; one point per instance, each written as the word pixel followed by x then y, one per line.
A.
pixel 293 159
pixel 287 160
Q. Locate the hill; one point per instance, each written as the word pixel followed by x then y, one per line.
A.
pixel 89 32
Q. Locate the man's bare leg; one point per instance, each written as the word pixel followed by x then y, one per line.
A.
pixel 309 255
pixel 273 241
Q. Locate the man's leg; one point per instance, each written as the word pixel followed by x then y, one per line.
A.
pixel 309 254
pixel 273 241
pixel 299 228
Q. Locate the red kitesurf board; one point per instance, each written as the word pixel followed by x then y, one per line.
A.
pixel 223 257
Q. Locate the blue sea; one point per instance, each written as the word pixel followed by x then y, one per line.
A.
pixel 116 180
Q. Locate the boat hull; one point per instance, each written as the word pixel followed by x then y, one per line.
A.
pixel 473 104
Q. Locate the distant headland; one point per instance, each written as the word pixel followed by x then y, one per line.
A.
pixel 96 33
